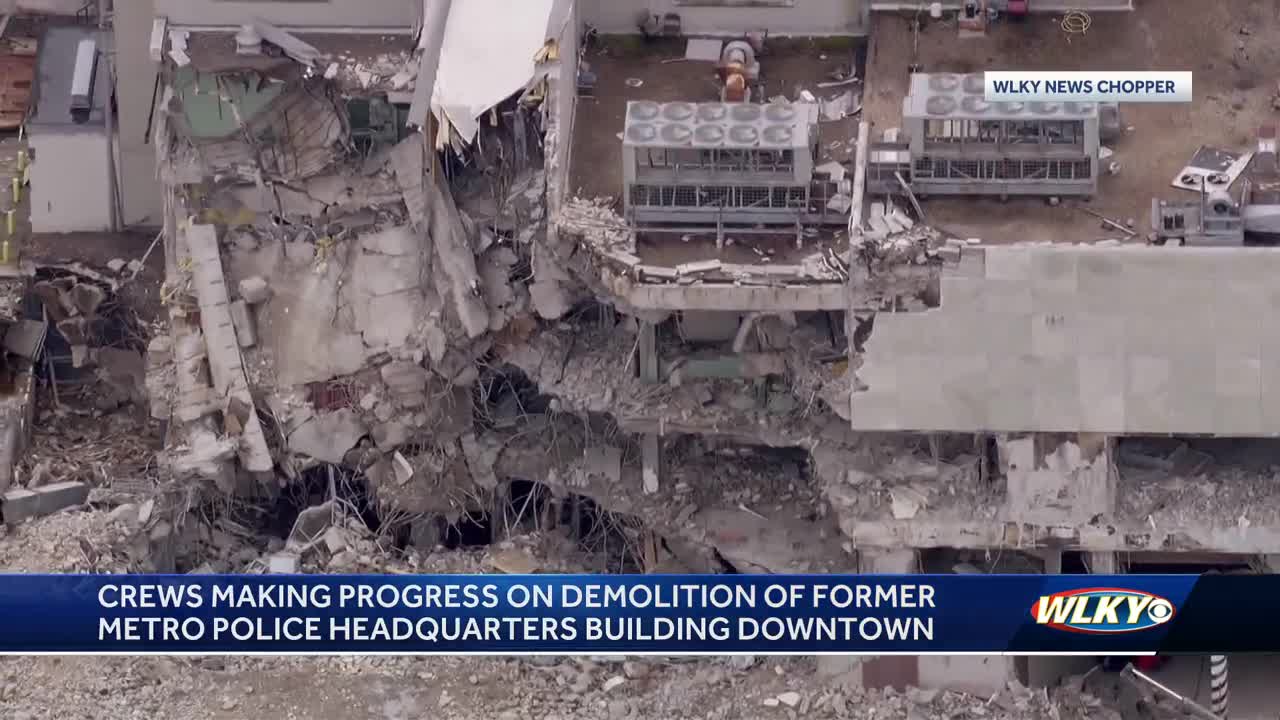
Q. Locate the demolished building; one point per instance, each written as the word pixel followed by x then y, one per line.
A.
pixel 593 286
pixel 352 285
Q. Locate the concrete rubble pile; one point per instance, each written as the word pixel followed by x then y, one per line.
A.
pixel 325 291
pixel 336 302
pixel 384 341
pixel 531 687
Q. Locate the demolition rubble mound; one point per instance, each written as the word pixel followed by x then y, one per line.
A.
pixel 539 688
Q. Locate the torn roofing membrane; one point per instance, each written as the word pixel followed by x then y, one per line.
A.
pixel 487 55
pixel 209 107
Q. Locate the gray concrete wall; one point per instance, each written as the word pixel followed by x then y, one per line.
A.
pixel 135 75
pixel 976 674
pixel 804 17
pixel 1084 339
pixel 353 14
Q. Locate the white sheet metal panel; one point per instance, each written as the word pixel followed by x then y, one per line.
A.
pixel 487 55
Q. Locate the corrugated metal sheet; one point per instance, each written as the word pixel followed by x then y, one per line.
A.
pixel 17 72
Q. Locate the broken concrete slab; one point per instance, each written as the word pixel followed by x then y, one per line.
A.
pixel 401 467
pixel 311 525
pixel 390 433
pixel 87 297
pixel 246 331
pixel 254 289
pixel 19 505
pixel 292 46
pixel 335 539
pixel 480 461
pixel 282 563
pixel 327 437
pixel 25 338
pixel 405 377
pixel 514 561
pixel 604 461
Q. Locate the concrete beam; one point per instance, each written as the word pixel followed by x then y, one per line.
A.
pixel 825 296
pixel 925 532
pixel 19 505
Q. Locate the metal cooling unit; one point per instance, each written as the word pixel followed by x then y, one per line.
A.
pixel 961 144
pixel 718 162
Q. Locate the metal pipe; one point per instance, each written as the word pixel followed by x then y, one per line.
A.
pixel 1193 706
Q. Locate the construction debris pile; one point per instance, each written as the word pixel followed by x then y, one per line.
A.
pixel 530 688
pixel 1174 488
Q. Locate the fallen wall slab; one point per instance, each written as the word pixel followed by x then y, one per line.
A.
pixel 226 364
pixel 19 505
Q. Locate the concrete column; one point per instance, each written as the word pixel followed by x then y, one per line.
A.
pixel 1103 563
pixel 1048 670
pixel 896 671
pixel 977 674
pixel 1052 562
pixel 650 461
pixel 648 350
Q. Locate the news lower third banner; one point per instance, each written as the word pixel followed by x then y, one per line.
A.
pixel 638 614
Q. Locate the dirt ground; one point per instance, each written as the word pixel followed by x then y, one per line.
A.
pixel 1225 44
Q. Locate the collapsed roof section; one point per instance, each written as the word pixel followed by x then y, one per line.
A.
pixel 326 287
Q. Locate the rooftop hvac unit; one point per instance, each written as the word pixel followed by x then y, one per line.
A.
pixel 677 111
pixel 779 113
pixel 975 105
pixel 82 80
pixel 643 134
pixel 940 105
pixel 1220 203
pixel 944 82
pixel 676 134
pixel 973 84
pixel 1078 108
pixel 643 110
pixel 1044 108
pixel 712 112
pixel 778 136
pixel 708 136
pixel 1011 108
pixel 744 113
pixel 743 136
